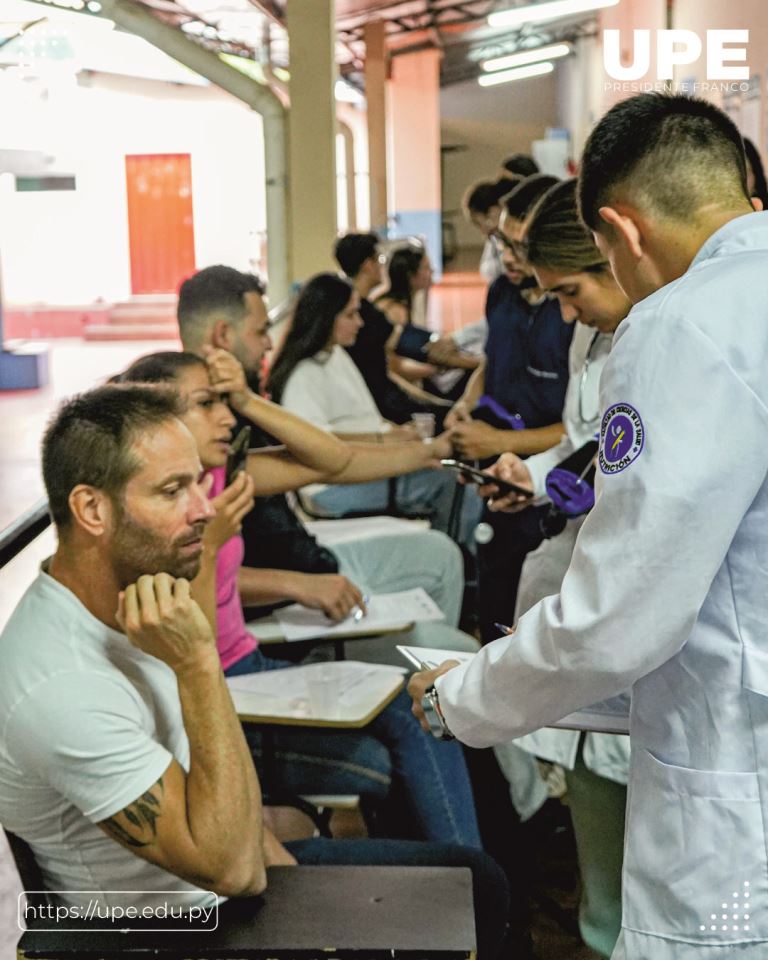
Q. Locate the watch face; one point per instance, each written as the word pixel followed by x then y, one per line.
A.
pixel 437 725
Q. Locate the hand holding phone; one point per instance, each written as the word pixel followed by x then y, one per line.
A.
pixel 238 451
pixel 482 478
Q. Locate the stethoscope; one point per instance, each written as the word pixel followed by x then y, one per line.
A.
pixel 583 380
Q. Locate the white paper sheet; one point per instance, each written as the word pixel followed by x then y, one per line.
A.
pixel 342 691
pixel 333 532
pixel 430 657
pixel 386 612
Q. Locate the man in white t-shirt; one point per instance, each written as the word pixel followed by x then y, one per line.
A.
pixel 105 740
pixel 122 761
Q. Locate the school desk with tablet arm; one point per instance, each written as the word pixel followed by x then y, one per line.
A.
pixel 387 613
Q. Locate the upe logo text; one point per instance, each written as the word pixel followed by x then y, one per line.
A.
pixel 676 48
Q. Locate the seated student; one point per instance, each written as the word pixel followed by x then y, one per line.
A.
pixel 222 308
pixel 122 760
pixel 403 302
pixel 358 256
pixel 314 377
pixel 515 401
pixel 431 775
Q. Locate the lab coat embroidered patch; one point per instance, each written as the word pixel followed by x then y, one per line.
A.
pixel 622 437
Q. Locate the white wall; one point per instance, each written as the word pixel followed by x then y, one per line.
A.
pixel 72 247
pixel 492 123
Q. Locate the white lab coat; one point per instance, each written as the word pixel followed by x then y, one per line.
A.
pixel 604 754
pixel 667 594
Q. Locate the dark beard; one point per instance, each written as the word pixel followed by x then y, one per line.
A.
pixel 139 551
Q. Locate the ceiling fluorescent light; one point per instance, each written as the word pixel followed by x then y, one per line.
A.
pixel 538 12
pixel 506 76
pixel 520 59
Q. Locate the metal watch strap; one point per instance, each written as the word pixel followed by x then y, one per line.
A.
pixel 434 699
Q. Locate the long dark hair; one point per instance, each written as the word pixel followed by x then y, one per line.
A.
pixel 403 265
pixel 320 302
pixel 160 367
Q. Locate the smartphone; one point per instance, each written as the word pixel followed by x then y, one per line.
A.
pixel 481 477
pixel 238 451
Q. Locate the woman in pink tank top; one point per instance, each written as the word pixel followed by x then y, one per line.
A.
pixel 392 749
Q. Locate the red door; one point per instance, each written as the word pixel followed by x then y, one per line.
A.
pixel 160 226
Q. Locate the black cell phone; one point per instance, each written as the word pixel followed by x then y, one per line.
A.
pixel 238 451
pixel 481 477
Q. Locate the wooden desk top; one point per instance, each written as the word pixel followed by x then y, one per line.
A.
pixel 258 697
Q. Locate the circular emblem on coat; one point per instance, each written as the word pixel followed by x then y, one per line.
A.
pixel 622 437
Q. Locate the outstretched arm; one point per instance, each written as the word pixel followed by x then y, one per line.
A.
pixel 309 446
pixel 275 471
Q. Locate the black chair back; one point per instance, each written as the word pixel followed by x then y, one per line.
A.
pixel 30 874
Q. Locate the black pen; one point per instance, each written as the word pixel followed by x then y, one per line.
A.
pixel 504 629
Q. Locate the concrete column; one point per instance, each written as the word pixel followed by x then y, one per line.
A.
pixel 375 94
pixel 414 141
pixel 350 167
pixel 312 135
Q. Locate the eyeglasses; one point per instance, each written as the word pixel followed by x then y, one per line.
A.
pixel 518 248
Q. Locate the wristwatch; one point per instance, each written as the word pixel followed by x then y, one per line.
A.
pixel 435 717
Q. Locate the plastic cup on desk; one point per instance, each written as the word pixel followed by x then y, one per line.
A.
pixel 425 424
pixel 323 691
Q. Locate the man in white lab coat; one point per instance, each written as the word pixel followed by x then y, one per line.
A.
pixel 668 587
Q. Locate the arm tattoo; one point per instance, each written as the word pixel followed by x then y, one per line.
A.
pixel 135 825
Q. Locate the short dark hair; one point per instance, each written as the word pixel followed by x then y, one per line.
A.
pixel 353 249
pixel 520 165
pixel 754 161
pixel 89 440
pixel 524 197
pixel 673 153
pixel 479 197
pixel 215 289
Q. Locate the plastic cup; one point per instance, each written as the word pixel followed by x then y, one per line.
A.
pixel 425 425
pixel 322 692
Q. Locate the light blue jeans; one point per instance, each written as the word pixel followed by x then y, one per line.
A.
pixel 426 492
pixel 389 563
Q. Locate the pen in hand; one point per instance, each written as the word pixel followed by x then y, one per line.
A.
pixel 361 610
pixel 504 630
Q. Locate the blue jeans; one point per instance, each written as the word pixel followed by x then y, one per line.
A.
pixel 428 492
pixel 391 752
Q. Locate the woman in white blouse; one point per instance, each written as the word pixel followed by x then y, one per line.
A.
pixel 314 377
